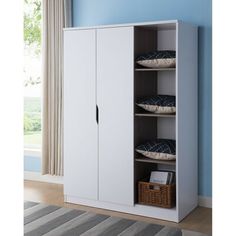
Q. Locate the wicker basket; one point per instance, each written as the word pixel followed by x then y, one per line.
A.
pixel 156 194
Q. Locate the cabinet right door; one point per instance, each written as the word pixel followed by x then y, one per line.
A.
pixel 115 103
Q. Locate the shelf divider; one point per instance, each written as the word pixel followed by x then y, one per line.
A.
pixel 149 160
pixel 154 115
pixel 154 69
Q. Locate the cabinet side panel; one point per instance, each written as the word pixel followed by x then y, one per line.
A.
pixel 115 102
pixel 80 127
pixel 187 123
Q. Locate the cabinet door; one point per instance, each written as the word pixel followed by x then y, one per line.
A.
pixel 80 126
pixel 115 102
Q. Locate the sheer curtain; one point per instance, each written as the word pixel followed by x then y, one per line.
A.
pixel 56 15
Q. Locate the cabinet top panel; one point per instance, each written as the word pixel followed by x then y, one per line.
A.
pixel 170 24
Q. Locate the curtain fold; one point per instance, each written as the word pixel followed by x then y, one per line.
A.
pixel 68 13
pixel 56 16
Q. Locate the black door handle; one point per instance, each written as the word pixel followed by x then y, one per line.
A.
pixel 97 114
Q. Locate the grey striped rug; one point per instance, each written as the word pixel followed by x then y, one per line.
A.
pixel 48 220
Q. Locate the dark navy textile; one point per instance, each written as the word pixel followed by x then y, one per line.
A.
pixel 159 145
pixel 159 100
pixel 163 54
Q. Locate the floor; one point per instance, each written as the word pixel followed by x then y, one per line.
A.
pixel 199 220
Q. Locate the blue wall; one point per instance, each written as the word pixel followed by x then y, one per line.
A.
pixel 32 163
pixel 96 12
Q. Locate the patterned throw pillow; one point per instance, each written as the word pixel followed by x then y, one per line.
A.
pixel 158 104
pixel 158 59
pixel 159 149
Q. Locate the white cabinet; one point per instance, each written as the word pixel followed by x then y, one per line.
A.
pixel 80 126
pixel 109 94
pixel 115 102
pixel 103 125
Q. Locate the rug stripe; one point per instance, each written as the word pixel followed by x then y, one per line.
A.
pixel 45 228
pixel 90 223
pixel 29 204
pixel 150 230
pixel 98 229
pixel 117 228
pixel 33 209
pixel 40 213
pixel 134 229
pixel 71 224
pixel 43 220
pixel 169 231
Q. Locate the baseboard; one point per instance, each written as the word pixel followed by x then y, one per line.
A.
pixel 205 201
pixel 35 176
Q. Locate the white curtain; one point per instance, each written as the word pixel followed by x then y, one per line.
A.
pixel 57 14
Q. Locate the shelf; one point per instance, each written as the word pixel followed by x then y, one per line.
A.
pixel 155 69
pixel 162 209
pixel 155 115
pixel 148 160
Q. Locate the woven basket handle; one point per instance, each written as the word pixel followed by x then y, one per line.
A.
pixel 154 187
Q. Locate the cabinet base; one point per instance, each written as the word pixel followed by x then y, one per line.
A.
pixel 136 209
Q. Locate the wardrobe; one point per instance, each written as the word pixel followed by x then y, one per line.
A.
pixel 103 125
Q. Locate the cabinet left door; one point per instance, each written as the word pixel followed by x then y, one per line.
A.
pixel 80 126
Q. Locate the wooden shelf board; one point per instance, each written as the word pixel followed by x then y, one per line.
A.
pixel 148 160
pixel 154 69
pixel 155 115
pixel 161 208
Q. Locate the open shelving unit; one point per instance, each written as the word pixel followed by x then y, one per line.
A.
pixel 149 82
pixel 181 126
